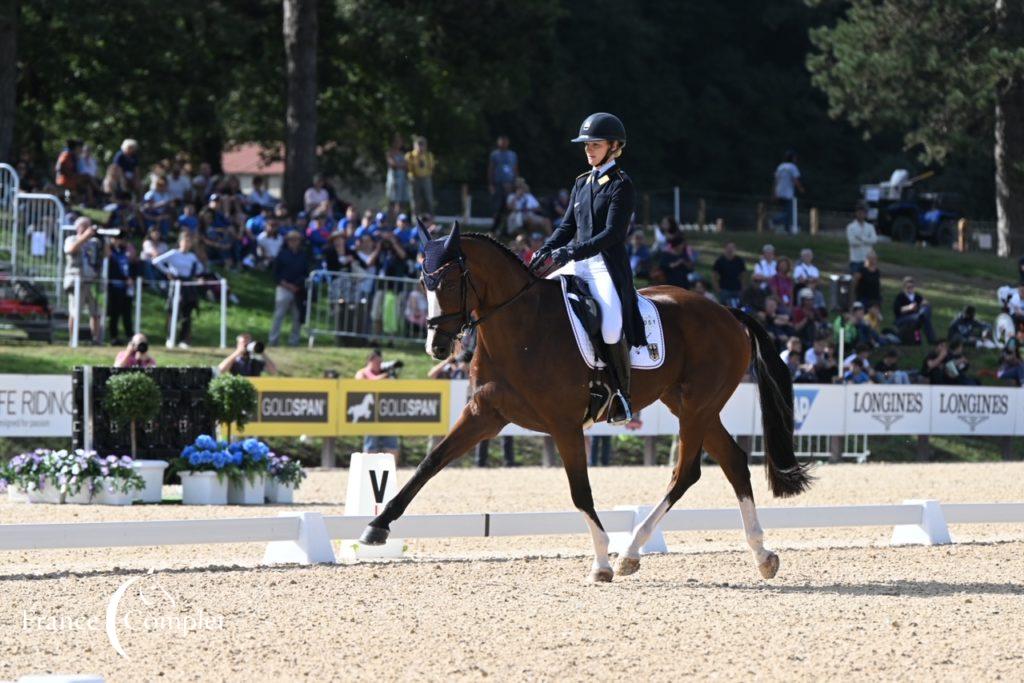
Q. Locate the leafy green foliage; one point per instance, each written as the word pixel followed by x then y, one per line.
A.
pixel 232 399
pixel 132 396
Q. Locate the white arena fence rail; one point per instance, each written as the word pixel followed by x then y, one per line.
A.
pixel 363 307
pixel 304 537
pixel 174 297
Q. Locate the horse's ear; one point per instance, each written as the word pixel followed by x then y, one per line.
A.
pixel 452 243
pixel 424 233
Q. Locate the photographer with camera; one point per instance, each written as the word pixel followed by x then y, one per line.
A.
pixel 376 369
pixel 248 359
pixel 84 255
pixel 136 354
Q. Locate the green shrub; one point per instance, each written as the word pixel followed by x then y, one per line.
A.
pixel 232 400
pixel 132 397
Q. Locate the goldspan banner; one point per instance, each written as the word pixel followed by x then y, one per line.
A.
pixel 394 407
pixel 291 407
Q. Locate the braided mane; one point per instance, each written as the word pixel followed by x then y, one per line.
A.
pixel 508 253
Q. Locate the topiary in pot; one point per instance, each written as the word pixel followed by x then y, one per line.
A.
pixel 132 397
pixel 232 400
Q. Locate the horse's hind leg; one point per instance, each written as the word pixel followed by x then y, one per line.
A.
pixel 574 458
pixel 685 475
pixel 473 426
pixel 733 461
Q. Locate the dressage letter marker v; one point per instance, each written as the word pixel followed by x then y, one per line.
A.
pixel 378 489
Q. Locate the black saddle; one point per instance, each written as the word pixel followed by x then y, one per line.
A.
pixel 586 309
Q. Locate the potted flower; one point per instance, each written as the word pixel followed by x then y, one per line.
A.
pixel 132 397
pixel 201 467
pixel 26 479
pixel 73 474
pixel 248 468
pixel 284 475
pixel 232 401
pixel 117 482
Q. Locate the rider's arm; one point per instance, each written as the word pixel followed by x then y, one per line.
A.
pixel 616 228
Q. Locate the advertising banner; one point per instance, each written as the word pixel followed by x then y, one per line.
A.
pixel 974 410
pixel 35 405
pixel 888 409
pixel 414 407
pixel 291 407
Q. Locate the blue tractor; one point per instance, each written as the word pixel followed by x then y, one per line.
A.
pixel 905 214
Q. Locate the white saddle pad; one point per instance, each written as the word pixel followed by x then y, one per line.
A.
pixel 648 357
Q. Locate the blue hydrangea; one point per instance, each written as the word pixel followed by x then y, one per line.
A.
pixel 251 445
pixel 220 459
pixel 206 442
pixel 235 458
pixel 188 451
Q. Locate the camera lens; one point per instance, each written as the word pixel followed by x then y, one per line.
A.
pixel 142 347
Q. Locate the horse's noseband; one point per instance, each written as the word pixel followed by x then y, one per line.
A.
pixel 431 281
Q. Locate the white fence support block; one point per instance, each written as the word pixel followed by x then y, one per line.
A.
pixel 618 541
pixel 932 529
pixel 61 678
pixel 312 546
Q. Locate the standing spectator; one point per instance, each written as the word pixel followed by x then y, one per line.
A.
pixel 136 354
pixel 373 371
pixel 397 184
pixel 639 254
pixel 121 270
pixel 765 269
pixel 127 159
pixel 867 281
pixel 182 264
pixel 153 247
pixel 502 171
pixel 316 196
pixel 861 237
pixel 260 198
pixel 729 269
pixel 290 270
pixel 781 284
pixel 421 166
pixel 806 274
pixel 887 369
pixel 675 263
pixel 600 451
pixel 786 184
pixel 912 313
pixel 84 253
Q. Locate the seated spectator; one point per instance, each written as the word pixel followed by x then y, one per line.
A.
pixel 158 207
pixel 958 366
pixel 777 322
pixel 861 351
pixel 136 354
pixel 524 211
pixel 806 274
pixel 407 233
pixel 667 228
pixel 66 172
pixel 807 319
pixel 268 244
pixel 1010 366
pixel 935 364
pixel 318 233
pixel 316 195
pixel 675 263
pixel 867 282
pixel 639 255
pixel 857 374
pixel 700 286
pixel 249 359
pixel 179 185
pixel 729 269
pixel 781 284
pixel 350 222
pixel 913 313
pixel 766 267
pixel 865 334
pixel 887 369
pixel 969 330
pixel 536 241
pixel 188 219
pixel 822 364
pixel 260 198
pixel 127 158
pixel 793 357
pixel 152 247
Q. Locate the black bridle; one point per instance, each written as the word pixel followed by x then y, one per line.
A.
pixel 466 322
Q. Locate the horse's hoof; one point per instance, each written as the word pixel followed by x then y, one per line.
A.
pixel 601 575
pixel 374 535
pixel 770 567
pixel 627 565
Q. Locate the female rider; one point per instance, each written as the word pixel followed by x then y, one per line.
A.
pixel 591 244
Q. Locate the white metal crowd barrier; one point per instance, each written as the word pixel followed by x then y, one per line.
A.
pixel 304 537
pixel 9 183
pixel 364 307
pixel 38 242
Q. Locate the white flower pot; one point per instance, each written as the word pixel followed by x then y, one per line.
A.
pixel 83 497
pixel 152 472
pixel 106 496
pixel 242 492
pixel 14 495
pixel 203 488
pixel 280 493
pixel 50 494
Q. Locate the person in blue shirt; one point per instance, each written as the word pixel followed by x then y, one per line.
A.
pixel 120 288
pixel 856 374
pixel 188 219
pixel 406 232
pixel 290 270
pixel 502 171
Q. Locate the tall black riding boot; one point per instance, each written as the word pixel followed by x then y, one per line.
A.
pixel 619 410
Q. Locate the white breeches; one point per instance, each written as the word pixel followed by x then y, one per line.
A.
pixel 596 274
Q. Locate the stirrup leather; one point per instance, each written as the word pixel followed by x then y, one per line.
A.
pixel 619 409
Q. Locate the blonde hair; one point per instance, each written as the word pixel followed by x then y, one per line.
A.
pixel 128 144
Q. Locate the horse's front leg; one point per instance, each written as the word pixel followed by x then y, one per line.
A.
pixel 474 425
pixel 574 459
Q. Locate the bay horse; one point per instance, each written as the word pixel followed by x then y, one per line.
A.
pixel 527 370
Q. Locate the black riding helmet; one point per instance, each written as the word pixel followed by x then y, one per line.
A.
pixel 601 126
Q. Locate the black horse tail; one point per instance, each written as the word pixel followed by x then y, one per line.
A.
pixel 786 476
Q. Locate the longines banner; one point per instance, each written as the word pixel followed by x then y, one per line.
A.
pixel 974 410
pixel 890 409
pixel 35 405
pixel 414 407
pixel 291 407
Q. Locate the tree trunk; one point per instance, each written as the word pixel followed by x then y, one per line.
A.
pixel 8 77
pixel 135 451
pixel 300 30
pixel 1009 146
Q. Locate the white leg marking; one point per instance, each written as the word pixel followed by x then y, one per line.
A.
pixel 600 544
pixel 752 528
pixel 433 310
pixel 646 528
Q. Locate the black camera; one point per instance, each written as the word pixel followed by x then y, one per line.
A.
pixel 392 367
pixel 142 347
pixel 255 348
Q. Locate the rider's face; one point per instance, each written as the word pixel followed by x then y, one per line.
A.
pixel 596 151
